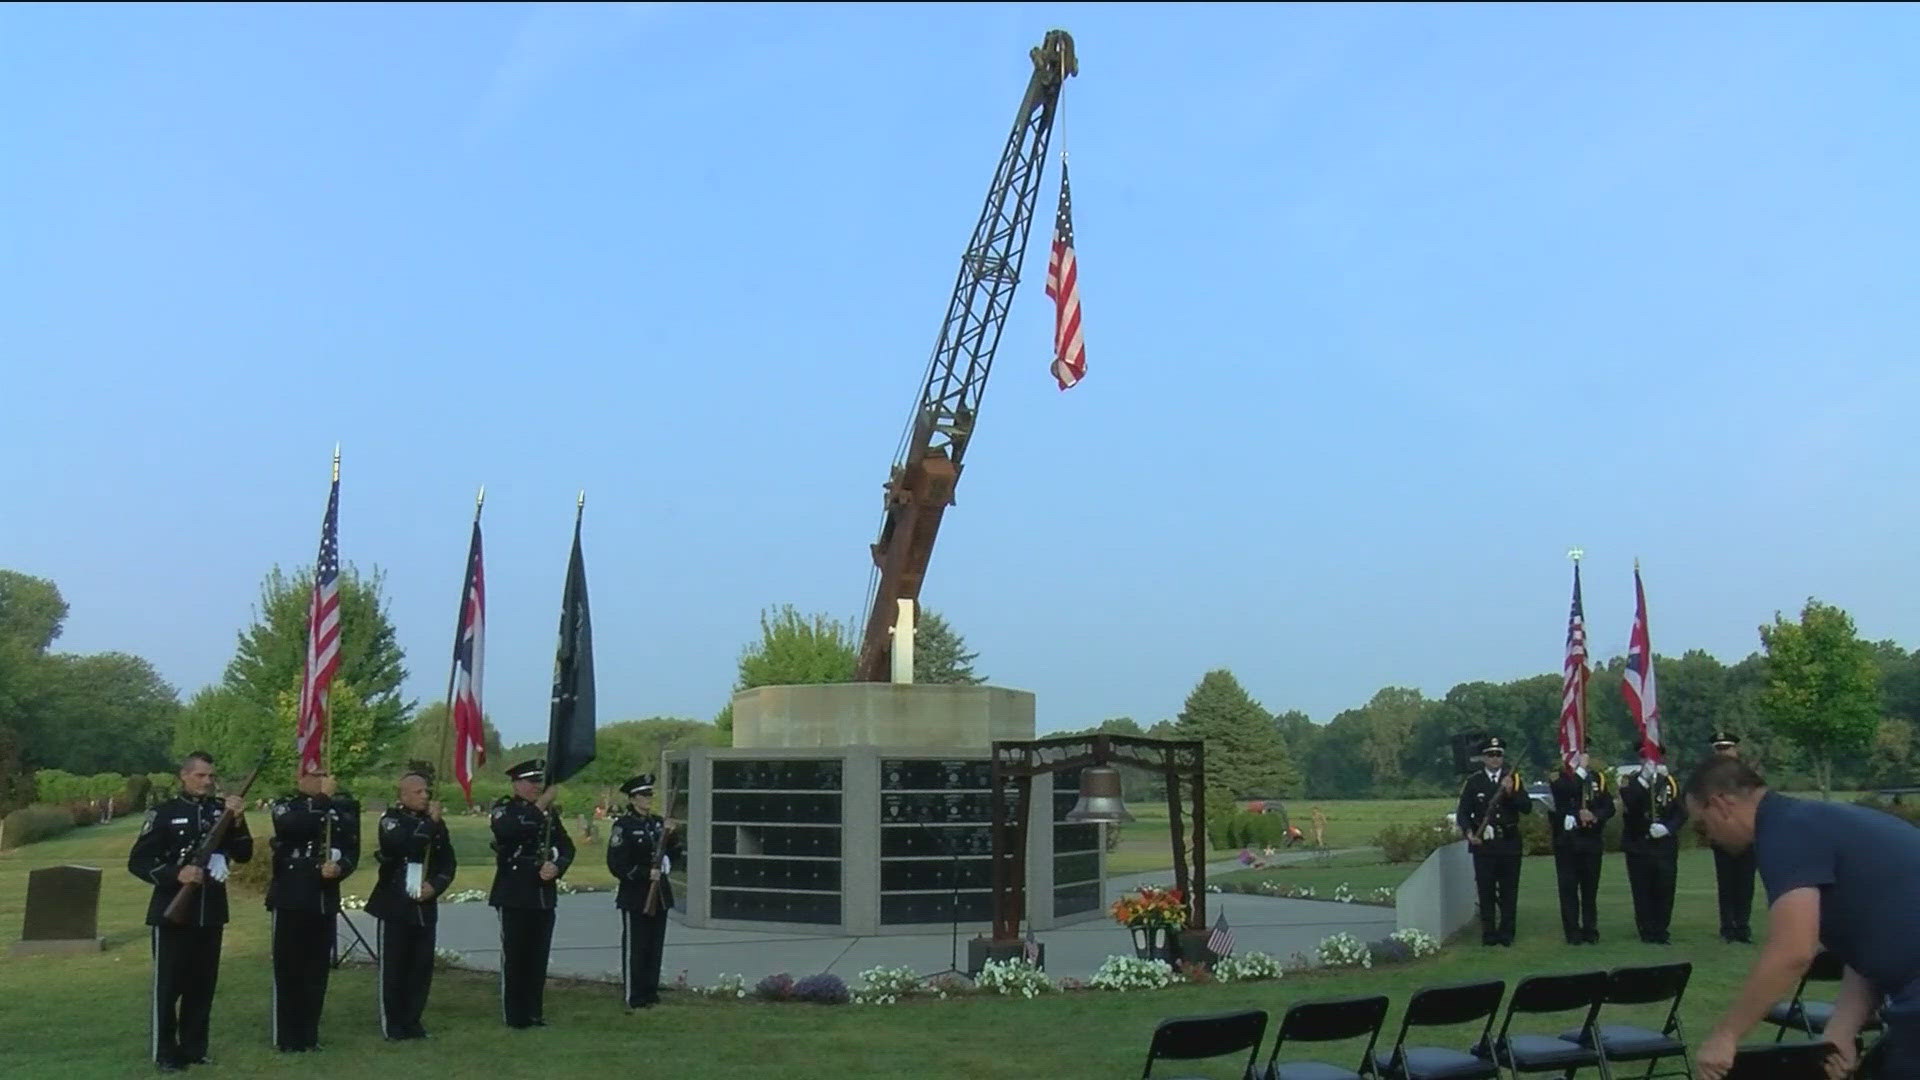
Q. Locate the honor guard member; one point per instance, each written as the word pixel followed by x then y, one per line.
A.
pixel 1651 816
pixel 1491 802
pixel 417 865
pixel 531 849
pixel 640 853
pixel 1582 805
pixel 186 958
pixel 316 844
pixel 1733 874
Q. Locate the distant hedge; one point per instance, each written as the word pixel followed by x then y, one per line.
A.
pixel 33 823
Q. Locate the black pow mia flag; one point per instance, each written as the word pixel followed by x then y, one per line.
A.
pixel 570 729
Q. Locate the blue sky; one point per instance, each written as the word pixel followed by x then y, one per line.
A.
pixel 1385 308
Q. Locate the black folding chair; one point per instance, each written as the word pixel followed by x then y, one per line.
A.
pixel 1328 1021
pixel 1443 1006
pixel 1185 1038
pixel 1538 994
pixel 1811 1017
pixel 1648 985
pixel 1781 1061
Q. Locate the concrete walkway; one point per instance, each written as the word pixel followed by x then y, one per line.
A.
pixel 586 938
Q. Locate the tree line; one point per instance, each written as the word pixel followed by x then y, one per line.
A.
pixel 1814 705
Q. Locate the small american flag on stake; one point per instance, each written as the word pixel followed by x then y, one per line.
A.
pixel 323 636
pixel 1573 690
pixel 1063 285
pixel 1220 942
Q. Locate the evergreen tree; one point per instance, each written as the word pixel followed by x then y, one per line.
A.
pixel 1245 754
pixel 940 655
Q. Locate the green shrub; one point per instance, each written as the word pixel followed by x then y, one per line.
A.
pixel 1905 811
pixel 1413 842
pixel 31 824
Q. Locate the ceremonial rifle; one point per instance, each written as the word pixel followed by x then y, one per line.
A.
pixel 652 905
pixel 1499 783
pixel 176 912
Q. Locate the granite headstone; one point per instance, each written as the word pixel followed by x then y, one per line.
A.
pixel 63 911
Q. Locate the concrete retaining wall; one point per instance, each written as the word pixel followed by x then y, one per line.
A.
pixel 1439 898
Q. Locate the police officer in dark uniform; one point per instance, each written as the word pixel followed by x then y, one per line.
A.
pixel 1733 875
pixel 316 844
pixel 1582 805
pixel 186 959
pixel 640 853
pixel 531 850
pixel 1491 802
pixel 417 865
pixel 1651 815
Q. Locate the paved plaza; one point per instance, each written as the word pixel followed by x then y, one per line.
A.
pixel 586 939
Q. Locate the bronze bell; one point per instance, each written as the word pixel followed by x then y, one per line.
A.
pixel 1100 796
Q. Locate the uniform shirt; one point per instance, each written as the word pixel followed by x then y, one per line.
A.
pixel 517 830
pixel 300 849
pixel 405 838
pixel 166 843
pixel 1505 819
pixel 630 851
pixel 1866 864
pixel 1641 806
pixel 1568 788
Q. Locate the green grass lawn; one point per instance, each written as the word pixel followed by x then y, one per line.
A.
pixel 82 1017
pixel 1146 845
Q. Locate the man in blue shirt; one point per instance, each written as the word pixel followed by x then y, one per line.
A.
pixel 1838 876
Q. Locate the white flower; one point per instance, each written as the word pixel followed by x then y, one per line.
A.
pixel 1419 942
pixel 1344 950
pixel 1015 976
pixel 1132 973
pixel 1247 967
pixel 884 985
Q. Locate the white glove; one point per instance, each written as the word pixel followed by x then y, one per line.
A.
pixel 217 867
pixel 1569 822
pixel 666 864
pixel 1580 771
pixel 1486 833
pixel 1657 831
pixel 414 880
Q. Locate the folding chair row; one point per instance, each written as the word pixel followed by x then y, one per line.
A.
pixel 1811 1017
pixel 1590 1045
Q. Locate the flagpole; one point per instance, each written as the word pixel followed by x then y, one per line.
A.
pixel 326 732
pixel 441 760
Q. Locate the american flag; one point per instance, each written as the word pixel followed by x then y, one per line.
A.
pixel 1643 703
pixel 323 638
pixel 1220 942
pixel 469 649
pixel 1063 285
pixel 1573 689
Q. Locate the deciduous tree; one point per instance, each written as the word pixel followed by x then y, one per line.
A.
pixel 1823 687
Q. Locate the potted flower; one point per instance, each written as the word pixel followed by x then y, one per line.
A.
pixel 1153 916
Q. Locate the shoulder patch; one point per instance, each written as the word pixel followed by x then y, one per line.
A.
pixel 617 836
pixel 389 822
pixel 147 825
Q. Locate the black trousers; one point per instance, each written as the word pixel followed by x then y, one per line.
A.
pixel 1651 873
pixel 1577 869
pixel 302 960
pixel 186 968
pixel 1733 880
pixel 1497 875
pixel 526 936
pixel 406 975
pixel 642 937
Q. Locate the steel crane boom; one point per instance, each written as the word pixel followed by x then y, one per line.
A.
pixel 928 466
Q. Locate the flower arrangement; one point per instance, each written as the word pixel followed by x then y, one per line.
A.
pixel 1151 907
